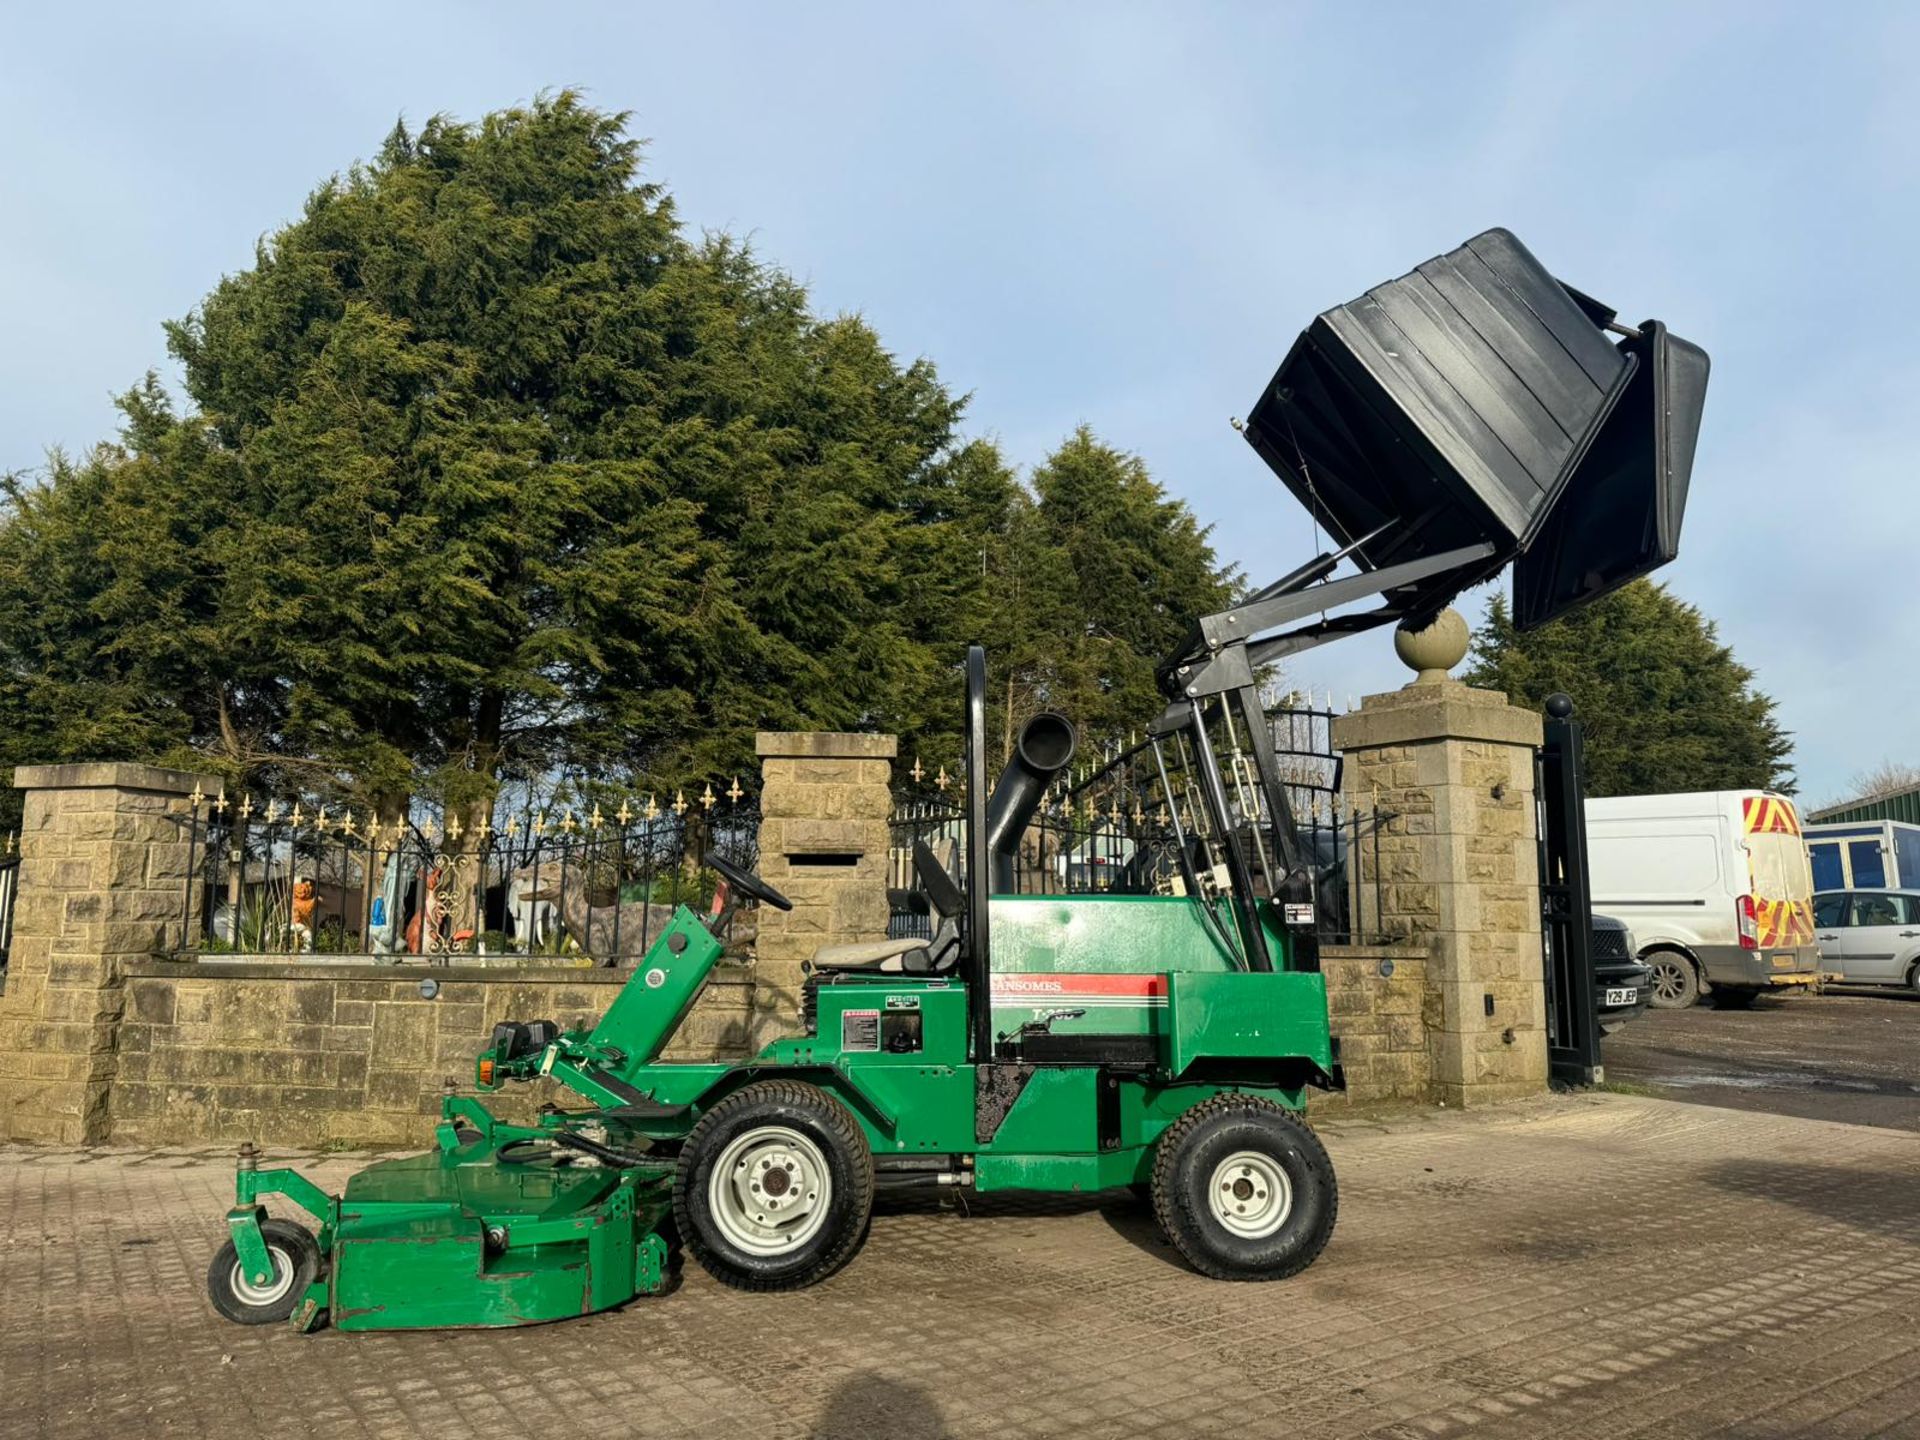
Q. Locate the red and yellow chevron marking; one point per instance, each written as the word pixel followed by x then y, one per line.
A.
pixel 1769 815
pixel 1783 922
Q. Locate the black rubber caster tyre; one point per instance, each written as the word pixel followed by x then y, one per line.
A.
pixel 1675 984
pixel 1244 1189
pixel 1735 997
pixel 774 1187
pixel 296 1264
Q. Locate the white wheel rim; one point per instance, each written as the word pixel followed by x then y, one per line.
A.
pixel 275 1289
pixel 770 1190
pixel 1250 1194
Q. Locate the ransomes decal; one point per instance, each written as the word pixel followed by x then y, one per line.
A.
pixel 1129 992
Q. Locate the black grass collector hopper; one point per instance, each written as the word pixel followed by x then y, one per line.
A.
pixel 1469 415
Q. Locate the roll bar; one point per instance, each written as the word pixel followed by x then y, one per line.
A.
pixel 978 946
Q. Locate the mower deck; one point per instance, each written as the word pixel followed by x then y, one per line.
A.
pixel 459 1239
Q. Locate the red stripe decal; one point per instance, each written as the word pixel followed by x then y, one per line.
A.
pixel 1065 986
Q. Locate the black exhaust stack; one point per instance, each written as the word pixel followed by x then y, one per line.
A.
pixel 1043 750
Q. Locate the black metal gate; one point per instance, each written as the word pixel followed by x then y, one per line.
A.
pixel 1566 901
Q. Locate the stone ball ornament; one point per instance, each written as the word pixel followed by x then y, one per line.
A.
pixel 1435 650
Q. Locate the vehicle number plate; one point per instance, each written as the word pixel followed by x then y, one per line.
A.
pixel 1626 996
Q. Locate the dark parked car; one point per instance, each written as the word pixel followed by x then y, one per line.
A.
pixel 1621 984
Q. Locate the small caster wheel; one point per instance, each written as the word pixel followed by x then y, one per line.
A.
pixel 296 1261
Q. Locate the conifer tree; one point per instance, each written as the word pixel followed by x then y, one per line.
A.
pixel 1664 704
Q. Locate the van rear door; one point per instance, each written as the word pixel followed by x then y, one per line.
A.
pixel 1781 879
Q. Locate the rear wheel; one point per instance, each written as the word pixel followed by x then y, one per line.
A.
pixel 296 1261
pixel 1244 1189
pixel 774 1187
pixel 1675 984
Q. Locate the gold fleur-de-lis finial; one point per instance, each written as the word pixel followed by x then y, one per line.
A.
pixel 373 827
pixel 485 832
pixel 706 797
pixel 320 821
pixel 246 807
pixel 454 827
pixel 679 806
pixel 568 824
pixel 298 817
pixel 10 838
pixel 918 770
pixel 347 824
pixel 220 802
pixel 734 792
pixel 942 779
pixel 540 823
pixel 1139 815
pixel 273 811
pixel 513 826
pixel 596 819
pixel 653 808
pixel 194 799
pixel 624 814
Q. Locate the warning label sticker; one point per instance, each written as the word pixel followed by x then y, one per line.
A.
pixel 860 1030
pixel 1299 914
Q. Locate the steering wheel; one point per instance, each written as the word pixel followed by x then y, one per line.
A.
pixel 749 884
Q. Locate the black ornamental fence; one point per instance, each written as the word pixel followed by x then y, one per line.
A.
pixel 1123 822
pixel 9 892
pixel 577 877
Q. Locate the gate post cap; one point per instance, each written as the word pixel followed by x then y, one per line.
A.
pixel 1433 651
pixel 1559 705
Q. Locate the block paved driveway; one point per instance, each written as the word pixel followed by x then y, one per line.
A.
pixel 1600 1265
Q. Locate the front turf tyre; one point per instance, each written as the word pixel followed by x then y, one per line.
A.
pixel 774 1187
pixel 1676 984
pixel 1244 1189
pixel 296 1263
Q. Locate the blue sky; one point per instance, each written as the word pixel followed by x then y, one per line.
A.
pixel 1120 215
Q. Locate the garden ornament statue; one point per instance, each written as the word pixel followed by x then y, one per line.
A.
pixel 303 902
pixel 604 931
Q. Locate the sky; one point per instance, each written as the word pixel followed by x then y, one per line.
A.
pixel 1119 215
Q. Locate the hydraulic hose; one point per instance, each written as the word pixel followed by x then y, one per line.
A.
pixel 527 1152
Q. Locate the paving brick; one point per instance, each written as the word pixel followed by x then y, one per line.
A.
pixel 1596 1266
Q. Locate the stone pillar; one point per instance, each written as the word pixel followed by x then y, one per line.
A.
pixel 103 882
pixel 1458 863
pixel 824 802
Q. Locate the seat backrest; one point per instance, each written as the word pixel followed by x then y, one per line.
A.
pixel 940 954
pixel 942 894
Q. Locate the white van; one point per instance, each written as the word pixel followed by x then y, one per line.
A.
pixel 1715 886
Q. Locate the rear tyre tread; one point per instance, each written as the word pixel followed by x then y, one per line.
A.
pixel 840 1133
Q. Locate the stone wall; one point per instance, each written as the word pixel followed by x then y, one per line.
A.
pixel 824 803
pixel 103 868
pixel 1460 872
pixel 1381 1009
pixel 355 1055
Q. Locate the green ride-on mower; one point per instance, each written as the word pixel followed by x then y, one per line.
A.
pixel 1468 415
